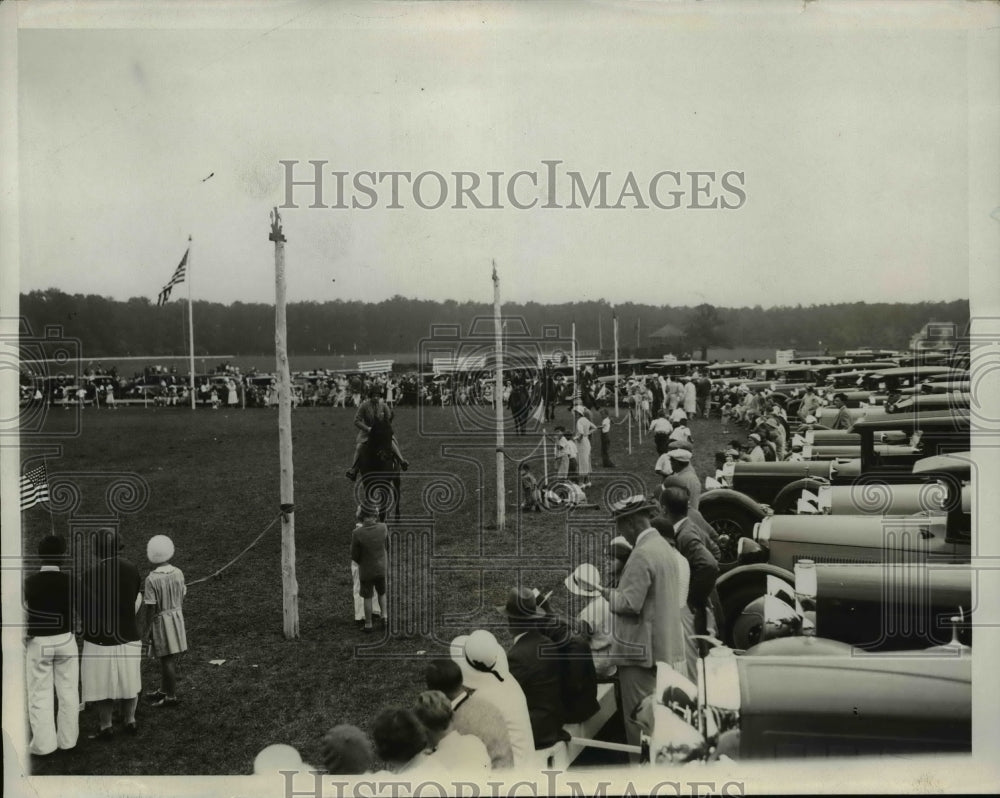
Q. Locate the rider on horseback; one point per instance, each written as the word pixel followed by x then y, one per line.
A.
pixel 370 411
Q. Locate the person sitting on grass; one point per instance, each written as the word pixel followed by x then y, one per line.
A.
pixel 369 411
pixel 530 490
pixel 369 547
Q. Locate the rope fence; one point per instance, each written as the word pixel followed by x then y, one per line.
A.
pixel 253 543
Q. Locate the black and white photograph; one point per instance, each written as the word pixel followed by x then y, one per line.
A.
pixel 504 398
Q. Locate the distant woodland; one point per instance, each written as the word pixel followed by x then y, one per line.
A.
pixel 113 328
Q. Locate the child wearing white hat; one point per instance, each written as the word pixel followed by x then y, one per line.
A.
pixel 164 594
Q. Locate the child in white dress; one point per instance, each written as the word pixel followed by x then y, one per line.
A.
pixel 164 597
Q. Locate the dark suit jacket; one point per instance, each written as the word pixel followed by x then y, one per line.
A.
pixel 540 678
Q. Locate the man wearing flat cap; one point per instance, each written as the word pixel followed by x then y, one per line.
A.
pixel 683 474
pixel 533 664
pixel 647 604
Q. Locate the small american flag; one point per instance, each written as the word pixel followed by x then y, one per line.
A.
pixel 179 273
pixel 34 487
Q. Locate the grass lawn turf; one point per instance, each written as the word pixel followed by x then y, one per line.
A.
pixel 213 486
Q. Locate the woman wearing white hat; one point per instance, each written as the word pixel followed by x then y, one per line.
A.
pixel 596 615
pixel 484 668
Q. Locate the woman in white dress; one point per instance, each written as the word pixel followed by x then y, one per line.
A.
pixel 584 428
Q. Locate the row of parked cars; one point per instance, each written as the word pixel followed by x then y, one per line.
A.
pixel 847 595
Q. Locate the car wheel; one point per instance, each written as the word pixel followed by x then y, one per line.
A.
pixel 730 524
pixel 742 626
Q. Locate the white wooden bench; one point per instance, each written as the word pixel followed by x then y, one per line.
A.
pixel 561 755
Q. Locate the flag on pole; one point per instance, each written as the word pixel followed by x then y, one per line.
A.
pixel 179 274
pixel 34 487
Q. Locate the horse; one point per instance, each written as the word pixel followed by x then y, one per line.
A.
pixel 379 470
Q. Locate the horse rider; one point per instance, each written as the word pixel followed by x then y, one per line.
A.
pixel 373 409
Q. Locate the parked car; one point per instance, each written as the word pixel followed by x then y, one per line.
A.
pixel 929 537
pixel 755 490
pixel 808 696
pixel 868 606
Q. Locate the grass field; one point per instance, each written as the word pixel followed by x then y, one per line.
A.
pixel 213 486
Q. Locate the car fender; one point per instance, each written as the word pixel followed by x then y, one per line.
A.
pixel 786 501
pixel 717 498
pixel 755 573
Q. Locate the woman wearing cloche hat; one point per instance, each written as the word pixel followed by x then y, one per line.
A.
pixel 164 596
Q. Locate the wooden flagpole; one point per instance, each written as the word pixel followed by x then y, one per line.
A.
pixel 576 381
pixel 498 400
pixel 614 319
pixel 289 585
pixel 190 322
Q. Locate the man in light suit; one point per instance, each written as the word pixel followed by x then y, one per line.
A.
pixel 647 607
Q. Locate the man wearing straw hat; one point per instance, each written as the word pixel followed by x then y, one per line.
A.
pixel 647 601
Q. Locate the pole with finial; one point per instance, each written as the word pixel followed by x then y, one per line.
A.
pixel 498 400
pixel 289 584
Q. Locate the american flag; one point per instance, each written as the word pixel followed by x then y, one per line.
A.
pixel 178 277
pixel 34 487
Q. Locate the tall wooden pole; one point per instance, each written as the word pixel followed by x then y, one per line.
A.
pixel 614 319
pixel 498 401
pixel 289 585
pixel 190 323
pixel 576 381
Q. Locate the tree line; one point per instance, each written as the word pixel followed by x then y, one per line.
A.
pixel 137 327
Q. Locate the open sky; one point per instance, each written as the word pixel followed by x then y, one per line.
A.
pixel 852 140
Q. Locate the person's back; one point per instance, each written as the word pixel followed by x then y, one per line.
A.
pixel 368 549
pixel 107 602
pixel 687 479
pixel 539 676
pixel 478 716
pixel 461 752
pixel 658 634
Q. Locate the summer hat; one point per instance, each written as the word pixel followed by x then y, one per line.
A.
pixel 159 549
pixel 522 603
pixel 585 573
pixel 633 504
pixel 479 655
